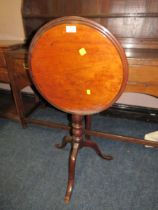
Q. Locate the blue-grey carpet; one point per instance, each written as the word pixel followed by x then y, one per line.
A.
pixel 33 173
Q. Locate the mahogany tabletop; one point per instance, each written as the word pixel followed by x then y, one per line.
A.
pixel 77 65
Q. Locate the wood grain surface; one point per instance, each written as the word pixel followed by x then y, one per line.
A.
pixel 82 71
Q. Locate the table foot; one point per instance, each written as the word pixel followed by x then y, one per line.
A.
pixel 66 139
pixel 95 147
pixel 72 162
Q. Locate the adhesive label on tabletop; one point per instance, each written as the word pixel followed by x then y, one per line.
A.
pixel 71 29
pixel 82 51
pixel 88 91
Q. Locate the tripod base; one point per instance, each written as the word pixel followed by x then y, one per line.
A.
pixel 86 143
pixel 77 143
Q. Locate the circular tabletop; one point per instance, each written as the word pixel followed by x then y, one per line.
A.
pixel 77 65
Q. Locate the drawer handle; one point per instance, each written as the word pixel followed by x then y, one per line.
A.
pixel 25 66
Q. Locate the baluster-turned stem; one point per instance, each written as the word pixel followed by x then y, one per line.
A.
pixel 77 128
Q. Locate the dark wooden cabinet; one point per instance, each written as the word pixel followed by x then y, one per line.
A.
pixel 14 105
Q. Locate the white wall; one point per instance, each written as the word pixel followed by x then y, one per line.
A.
pixel 11 28
pixel 139 100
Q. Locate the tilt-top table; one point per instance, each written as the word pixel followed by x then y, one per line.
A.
pixel 80 68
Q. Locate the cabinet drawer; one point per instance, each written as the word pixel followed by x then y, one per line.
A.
pixel 143 74
pixel 20 65
pixel 143 79
pixel 21 75
pixel 142 88
pixel 2 59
